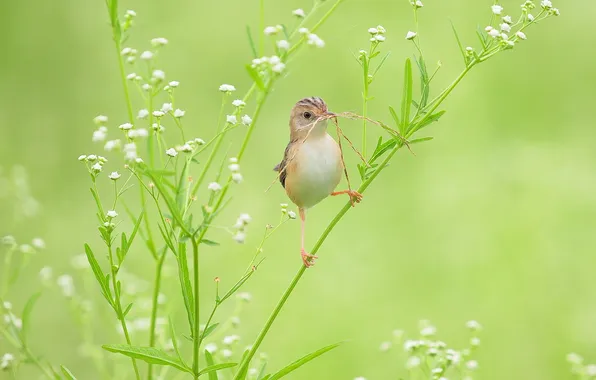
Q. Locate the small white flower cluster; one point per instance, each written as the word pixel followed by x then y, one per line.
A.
pixel 238 103
pixel 66 285
pixel 228 88
pixel 214 186
pixel 240 227
pixel 579 368
pixel 235 169
pixel 9 318
pixel 244 296
pixel 188 147
pixel 110 145
pixel 9 241
pixel 299 13
pixel 411 35
pixel 96 162
pixel 272 30
pixel 229 341
pixel 101 132
pixel 273 62
pixel 130 152
pixel 6 361
pixel 171 86
pixel 130 54
pixel 417 4
pixel 284 210
pixel 377 34
pixel 435 353
pixel 159 42
pixel 46 274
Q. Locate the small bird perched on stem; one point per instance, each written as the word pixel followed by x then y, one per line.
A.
pixel 313 163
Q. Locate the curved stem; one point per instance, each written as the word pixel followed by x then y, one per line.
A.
pixel 196 330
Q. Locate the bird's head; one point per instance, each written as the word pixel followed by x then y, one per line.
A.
pixel 310 113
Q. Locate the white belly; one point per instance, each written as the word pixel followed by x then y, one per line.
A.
pixel 318 171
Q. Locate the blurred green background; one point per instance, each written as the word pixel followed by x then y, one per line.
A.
pixel 493 220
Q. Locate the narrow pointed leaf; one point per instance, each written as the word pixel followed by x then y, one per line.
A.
pixel 209 330
pixel 185 285
pixel 26 317
pixel 67 374
pixel 251 42
pixel 406 101
pixel 255 77
pixel 174 340
pixel 99 275
pixel 430 119
pixel 217 367
pixel 395 117
pixel 302 361
pixel 149 355
pixel 209 242
pixel 461 47
pixel 210 362
pixel 381 63
pixel 422 139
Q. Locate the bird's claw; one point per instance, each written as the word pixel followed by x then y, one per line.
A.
pixel 307 258
pixel 355 197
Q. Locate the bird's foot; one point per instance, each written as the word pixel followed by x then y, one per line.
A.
pixel 307 258
pixel 354 196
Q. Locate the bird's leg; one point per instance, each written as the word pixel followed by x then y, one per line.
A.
pixel 354 195
pixel 307 258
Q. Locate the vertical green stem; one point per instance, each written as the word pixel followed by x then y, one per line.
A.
pixel 196 331
pixel 156 289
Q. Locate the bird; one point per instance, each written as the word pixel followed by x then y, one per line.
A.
pixel 312 164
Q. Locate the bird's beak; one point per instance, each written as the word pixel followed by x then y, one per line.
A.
pixel 330 114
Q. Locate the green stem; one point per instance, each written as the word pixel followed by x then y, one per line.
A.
pixel 124 82
pixel 37 363
pixel 155 306
pixel 318 24
pixel 196 339
pixel 242 367
pixel 118 307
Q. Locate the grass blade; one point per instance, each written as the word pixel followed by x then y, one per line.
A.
pixel 67 374
pixel 149 355
pixel 217 367
pixel 251 42
pixel 406 101
pixel 302 361
pixel 210 362
pixel 99 275
pixel 185 285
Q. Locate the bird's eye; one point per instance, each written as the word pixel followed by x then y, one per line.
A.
pixel 307 115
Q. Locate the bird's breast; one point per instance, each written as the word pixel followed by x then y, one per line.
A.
pixel 315 171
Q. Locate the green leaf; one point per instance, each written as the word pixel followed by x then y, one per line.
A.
pixel 255 77
pixel 217 367
pixel 127 310
pixel 429 120
pixel 209 242
pixel 382 149
pixel 406 101
pixel 210 362
pixel 99 275
pixel 66 372
pixel 302 361
pixel 174 339
pixel 237 285
pixel 149 355
pixel 127 243
pixel 166 238
pixel 208 331
pixel 422 139
pixel 381 63
pixel 243 371
pixel 461 47
pixel 185 285
pixel 424 82
pixel 27 315
pixel 183 184
pixel 481 37
pixel 251 42
pixel 395 117
pixel 97 203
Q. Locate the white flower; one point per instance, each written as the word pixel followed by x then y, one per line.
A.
pixel 174 83
pixel 373 30
pixel 99 135
pixel 428 331
pixel 546 4
pixel 472 365
pixel 291 215
pixel 555 12
pixel 381 29
pixel 418 4
pixel 237 177
pixel 246 120
pixel 240 237
pixel 591 370
pixel 186 148
pixel 82 157
pixel 171 152
pixel 521 35
pixel 114 176
pixel 214 186
pixel 238 103
pixel 159 41
pixel 231 119
pixel 530 17
pixel 158 75
pixel 199 141
pixel 131 76
pixel 146 55
pixel 45 274
pixel 226 353
pixel 473 325
pixel 244 296
pixel 574 358
pixel 507 19
pixel 494 33
pixel 6 361
pixel 245 219
pixel 100 119
pixel 227 88
pixel 475 342
pixel 313 39
pixel 234 167
pixel 91 157
pixel 158 113
pixel 510 43
pixel 270 30
pixel 111 214
pixel 125 126
pixel 283 44
pixel 66 284
pixel 126 51
pixel 96 167
pixel 143 113
pixel 233 160
pixel 380 38
pixel 179 113
pixel 497 9
pixel 278 68
pixel 412 362
pixel 410 35
pixel 130 151
pixel 505 27
pixel 166 107
pixel 38 243
pixel 273 60
pixel 385 346
pixel 130 13
pixel 303 31
pixel 211 348
pixel 230 339
pixel 488 28
pixel 299 13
